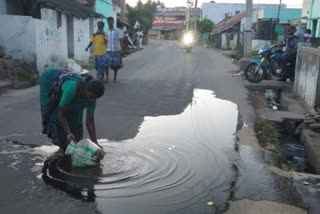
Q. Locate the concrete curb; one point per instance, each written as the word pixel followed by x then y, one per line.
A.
pixel 310 139
pixel 269 84
pixel 5 86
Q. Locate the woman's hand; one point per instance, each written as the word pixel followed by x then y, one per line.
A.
pixel 100 148
pixel 70 137
pixel 96 142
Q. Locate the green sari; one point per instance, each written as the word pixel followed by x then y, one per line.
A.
pixel 58 88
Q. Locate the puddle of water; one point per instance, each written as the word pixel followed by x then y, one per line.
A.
pixel 176 164
pixel 310 193
pixel 297 158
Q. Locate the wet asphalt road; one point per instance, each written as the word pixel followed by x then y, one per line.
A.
pixel 158 82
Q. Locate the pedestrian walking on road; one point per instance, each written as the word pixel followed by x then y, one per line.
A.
pixel 63 97
pixel 99 50
pixel 140 39
pixel 125 42
pixel 113 58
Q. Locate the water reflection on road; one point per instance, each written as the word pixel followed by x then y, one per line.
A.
pixel 175 164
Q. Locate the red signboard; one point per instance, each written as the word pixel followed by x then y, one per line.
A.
pixel 158 18
pixel 163 21
pixel 172 17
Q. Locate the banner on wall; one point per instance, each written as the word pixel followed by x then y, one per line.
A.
pixel 177 10
pixel 167 22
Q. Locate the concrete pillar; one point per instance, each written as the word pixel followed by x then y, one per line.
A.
pixel 248 31
pixel 196 17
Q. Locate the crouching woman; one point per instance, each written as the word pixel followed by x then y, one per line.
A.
pixel 63 97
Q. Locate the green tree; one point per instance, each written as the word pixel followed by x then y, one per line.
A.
pixel 144 14
pixel 203 25
pixel 150 5
pixel 139 4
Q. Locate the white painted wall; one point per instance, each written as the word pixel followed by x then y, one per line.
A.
pixel 234 42
pixel 260 14
pixel 82 35
pixel 254 19
pixel 43 41
pixel 95 22
pixel 42 38
pixel 305 10
pixel 307 75
pixel 257 44
pixel 223 40
pixel 30 40
pixel 20 40
pixel 51 40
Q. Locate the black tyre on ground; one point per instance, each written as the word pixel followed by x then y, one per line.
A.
pixel 188 49
pixel 255 76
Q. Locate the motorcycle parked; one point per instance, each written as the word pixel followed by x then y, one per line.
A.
pixel 188 41
pixel 271 63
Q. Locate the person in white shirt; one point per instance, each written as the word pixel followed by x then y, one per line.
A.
pixel 113 58
pixel 140 38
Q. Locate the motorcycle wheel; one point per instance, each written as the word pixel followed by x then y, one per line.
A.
pixel 252 76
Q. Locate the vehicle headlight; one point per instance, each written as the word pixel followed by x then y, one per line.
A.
pixel 187 39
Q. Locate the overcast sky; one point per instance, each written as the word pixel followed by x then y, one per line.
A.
pixel 174 3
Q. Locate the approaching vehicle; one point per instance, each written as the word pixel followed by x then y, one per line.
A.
pixel 188 41
pixel 271 62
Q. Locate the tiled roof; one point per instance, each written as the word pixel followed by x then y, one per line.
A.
pixel 228 23
pixel 70 7
pixel 220 24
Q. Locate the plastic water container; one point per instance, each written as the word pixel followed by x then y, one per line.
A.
pixel 85 153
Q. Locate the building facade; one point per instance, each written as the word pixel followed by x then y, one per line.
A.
pixel 168 21
pixel 104 7
pixel 314 18
pixel 286 14
pixel 48 35
pixel 305 10
pixel 227 34
pixel 216 12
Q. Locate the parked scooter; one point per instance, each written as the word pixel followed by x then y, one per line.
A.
pixel 188 41
pixel 271 63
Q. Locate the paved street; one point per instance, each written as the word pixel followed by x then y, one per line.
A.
pixel 166 99
pixel 156 81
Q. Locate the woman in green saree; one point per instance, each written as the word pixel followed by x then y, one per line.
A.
pixel 63 97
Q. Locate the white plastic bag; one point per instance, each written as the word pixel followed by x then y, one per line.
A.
pixel 85 153
pixel 72 66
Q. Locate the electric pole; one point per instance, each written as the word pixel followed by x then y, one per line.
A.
pixel 188 18
pixel 248 31
pixel 190 4
pixel 196 15
pixel 279 10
